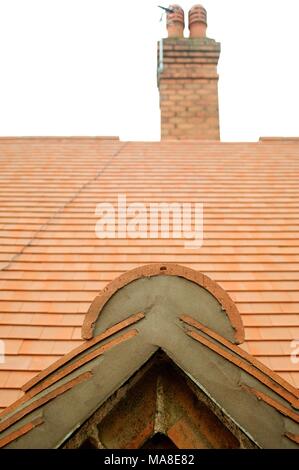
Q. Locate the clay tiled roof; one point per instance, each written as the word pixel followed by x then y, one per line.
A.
pixel 52 265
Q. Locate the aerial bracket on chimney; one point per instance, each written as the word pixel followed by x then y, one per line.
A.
pixel 167 10
pixel 160 64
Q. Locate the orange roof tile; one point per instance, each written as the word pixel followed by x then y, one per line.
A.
pixel 52 265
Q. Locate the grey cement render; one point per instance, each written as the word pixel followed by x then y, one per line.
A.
pixel 169 296
pixel 163 299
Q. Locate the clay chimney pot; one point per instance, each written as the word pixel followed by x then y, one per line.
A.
pixel 176 22
pixel 198 21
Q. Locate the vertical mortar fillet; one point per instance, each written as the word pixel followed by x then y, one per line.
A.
pixel 159 426
pixel 94 437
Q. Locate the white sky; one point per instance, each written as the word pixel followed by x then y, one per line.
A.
pixel 88 67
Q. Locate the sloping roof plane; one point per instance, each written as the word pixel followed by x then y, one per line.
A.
pixel 53 266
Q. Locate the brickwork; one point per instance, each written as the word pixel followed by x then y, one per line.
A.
pixel 188 86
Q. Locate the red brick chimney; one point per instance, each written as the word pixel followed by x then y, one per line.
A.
pixel 188 79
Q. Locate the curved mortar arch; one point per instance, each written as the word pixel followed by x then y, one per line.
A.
pixel 164 269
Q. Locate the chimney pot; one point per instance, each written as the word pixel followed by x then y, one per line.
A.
pixel 176 22
pixel 198 21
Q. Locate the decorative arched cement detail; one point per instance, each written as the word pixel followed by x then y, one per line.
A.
pixel 166 269
pixel 198 341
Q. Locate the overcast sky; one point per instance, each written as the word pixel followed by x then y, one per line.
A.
pixel 88 67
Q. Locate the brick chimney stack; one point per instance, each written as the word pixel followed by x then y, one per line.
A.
pixel 188 79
